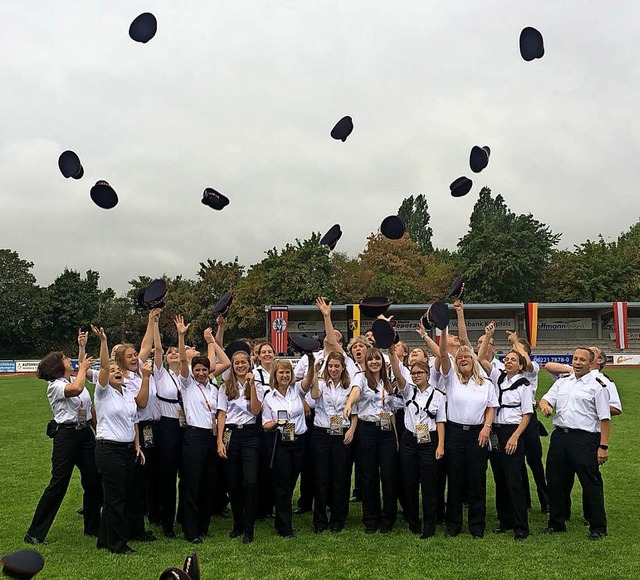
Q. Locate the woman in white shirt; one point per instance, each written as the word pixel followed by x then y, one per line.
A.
pixel 238 406
pixel 117 447
pixel 376 443
pixel 471 402
pixel 283 417
pixel 331 443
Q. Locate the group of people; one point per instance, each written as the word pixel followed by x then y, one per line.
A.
pixel 178 432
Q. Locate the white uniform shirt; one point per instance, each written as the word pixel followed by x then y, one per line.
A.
pixel 426 407
pixel 65 409
pixel 466 404
pixel 532 377
pixel 134 382
pixel 521 396
pixel 371 403
pixel 274 401
pixel 614 397
pixel 330 403
pixel 167 385
pixel 302 365
pixel 261 376
pixel 238 410
pixel 200 402
pixel 580 403
pixel 116 414
pixel 353 368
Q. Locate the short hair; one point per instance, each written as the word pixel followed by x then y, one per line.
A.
pixel 358 340
pixel 51 367
pixel 277 364
pixel 591 355
pixel 525 343
pixel 200 360
pixel 421 364
pixel 603 356
pixel 521 359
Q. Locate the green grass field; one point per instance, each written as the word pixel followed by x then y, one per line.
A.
pixel 25 468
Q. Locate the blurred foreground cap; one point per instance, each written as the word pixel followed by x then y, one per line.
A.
pixel 438 315
pixel 70 166
pixel 22 564
pixel 461 186
pixel 331 237
pixel 383 333
pixel 479 158
pixel 393 227
pixel 457 289
pixel 103 195
pixel 214 199
pixel 143 28
pixel 192 566
pixel 373 306
pixel 223 305
pixel 304 344
pixel 531 44
pixel 342 129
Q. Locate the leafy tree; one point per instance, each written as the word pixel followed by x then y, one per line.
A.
pixel 503 255
pixel 415 213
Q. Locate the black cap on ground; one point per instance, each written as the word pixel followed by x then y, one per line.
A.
pixel 214 199
pixel 331 237
pixel 237 346
pixel 174 574
pixel 461 186
pixel 69 164
pixel 383 333
pixel 478 159
pixel 304 344
pixel 154 295
pixel 192 566
pixel 103 195
pixel 457 289
pixel 531 44
pixel 143 28
pixel 342 129
pixel 373 306
pixel 393 227
pixel 438 314
pixel 223 305
pixel 22 564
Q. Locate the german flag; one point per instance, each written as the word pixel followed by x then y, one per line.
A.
pixel 531 322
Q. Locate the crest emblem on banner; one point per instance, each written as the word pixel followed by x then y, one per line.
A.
pixel 353 324
pixel 279 324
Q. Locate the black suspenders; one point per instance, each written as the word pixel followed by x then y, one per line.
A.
pixel 521 381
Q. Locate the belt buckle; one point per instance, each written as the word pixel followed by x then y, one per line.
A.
pixel 466 428
pixel 239 426
pixel 565 429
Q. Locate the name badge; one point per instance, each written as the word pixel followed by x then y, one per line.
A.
pixel 385 421
pixel 182 420
pixel 81 419
pixel 335 425
pixel 289 432
pixel 493 440
pixel 423 434
pixel 147 434
pixel 226 438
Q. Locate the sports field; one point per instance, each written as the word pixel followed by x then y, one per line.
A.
pixel 25 467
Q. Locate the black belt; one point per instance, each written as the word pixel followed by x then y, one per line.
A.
pixel 500 425
pixel 200 428
pixel 243 426
pixel 115 443
pixel 369 422
pixel 466 427
pixel 150 421
pixel 71 426
pixel 567 430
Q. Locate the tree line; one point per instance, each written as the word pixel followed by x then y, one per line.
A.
pixel 504 257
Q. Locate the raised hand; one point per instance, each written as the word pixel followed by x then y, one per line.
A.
pixel 490 328
pixel 512 337
pixel 323 306
pixel 208 335
pixel 82 338
pixel 99 332
pixel 147 368
pixel 181 327
pixel 154 315
pixel 85 364
pixel 221 321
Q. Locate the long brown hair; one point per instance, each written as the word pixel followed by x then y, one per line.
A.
pixel 384 376
pixel 231 386
pixel 345 381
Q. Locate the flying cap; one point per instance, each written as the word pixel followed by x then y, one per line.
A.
pixel 393 227
pixel 223 305
pixel 342 129
pixel 531 44
pixel 152 296
pixel 143 28
pixel 479 158
pixel 237 346
pixel 457 289
pixel 22 564
pixel 373 306
pixel 383 333
pixel 425 321
pixel 304 344
pixel 70 166
pixel 461 186
pixel 331 237
pixel 103 195
pixel 174 574
pixel 438 314
pixel 214 199
pixel 192 566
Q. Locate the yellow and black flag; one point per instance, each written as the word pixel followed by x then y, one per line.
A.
pixel 353 321
pixel 531 322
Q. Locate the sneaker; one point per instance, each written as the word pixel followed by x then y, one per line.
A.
pixel 34 541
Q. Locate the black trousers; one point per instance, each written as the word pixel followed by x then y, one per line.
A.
pixel 511 500
pixel 71 447
pixel 265 478
pixel 467 479
pixel 400 429
pixel 305 501
pixel 199 450
pixel 242 477
pixel 420 474
pixel 575 453
pixel 378 462
pixel 116 465
pixel 332 476
pixel 169 454
pixel 530 439
pixel 287 464
pixel 146 483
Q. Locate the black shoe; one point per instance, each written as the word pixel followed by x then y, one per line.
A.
pixel 477 536
pixel 370 530
pixel 169 534
pixel 91 534
pixel 385 529
pixel 597 535
pixel 451 534
pixel 415 530
pixel 287 534
pixel 585 522
pixel 124 551
pixel 425 536
pixel 336 529
pixel 223 513
pixel 355 499
pixel 318 530
pixel 146 537
pixel 550 530
pixel 235 533
pixel 196 540
pixel 247 538
pixel 520 537
pixel 301 510
pixel 34 541
pixel 544 510
pixel 80 511
pixel 501 530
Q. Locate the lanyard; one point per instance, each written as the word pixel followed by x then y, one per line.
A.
pixel 206 402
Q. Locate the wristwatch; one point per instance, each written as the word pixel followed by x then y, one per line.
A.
pixel 604 447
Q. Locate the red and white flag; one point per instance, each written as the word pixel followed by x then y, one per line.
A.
pixel 279 321
pixel 621 324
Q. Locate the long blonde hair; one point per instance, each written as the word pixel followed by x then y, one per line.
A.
pixel 477 377
pixel 231 385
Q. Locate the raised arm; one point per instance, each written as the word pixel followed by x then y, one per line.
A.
pixel 424 335
pixel 77 386
pixel 458 306
pixel 211 349
pixel 325 309
pixel 484 348
pixel 315 387
pixel 256 405
pixel 82 343
pixel 555 368
pixel 519 348
pixel 147 340
pixel 221 321
pixel 308 377
pixel 158 352
pixel 223 360
pixel 103 375
pixel 142 398
pixel 395 367
pixel 182 328
pixel 445 363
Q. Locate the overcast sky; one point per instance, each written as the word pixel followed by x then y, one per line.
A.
pixel 241 96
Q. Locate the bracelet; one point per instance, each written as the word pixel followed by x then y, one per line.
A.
pixel 488 426
pixel 423 335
